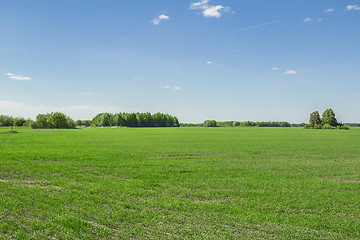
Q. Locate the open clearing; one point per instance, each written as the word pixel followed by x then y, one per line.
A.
pixel 176 183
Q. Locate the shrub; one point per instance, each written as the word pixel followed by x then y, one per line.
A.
pixel 327 126
pixel 343 127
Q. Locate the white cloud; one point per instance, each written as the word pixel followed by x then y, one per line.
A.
pixel 329 10
pixel 9 74
pixel 209 10
pixel 213 11
pixel 167 87
pixel 290 72
pixel 87 93
pixel 307 20
pixel 352 7
pixel 19 109
pixel 177 88
pixel 159 18
pixel 275 68
pixel 202 4
pixel 163 16
pixel 210 62
pixel 155 21
pixel 20 78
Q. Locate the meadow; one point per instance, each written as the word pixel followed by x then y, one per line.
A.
pixel 180 183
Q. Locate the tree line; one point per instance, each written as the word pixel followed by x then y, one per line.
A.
pixel 135 120
pixel 60 120
pixel 213 123
pixel 352 124
pixel 8 121
pixel 49 120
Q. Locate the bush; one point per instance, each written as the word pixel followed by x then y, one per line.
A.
pixel 343 127
pixel 327 126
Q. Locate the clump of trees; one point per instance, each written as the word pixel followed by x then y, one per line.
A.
pixel 134 120
pixel 8 121
pixel 210 123
pixel 52 120
pixel 213 123
pixel 327 121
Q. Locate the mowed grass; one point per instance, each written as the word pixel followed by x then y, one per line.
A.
pixel 180 183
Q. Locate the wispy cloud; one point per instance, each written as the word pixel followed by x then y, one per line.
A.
pixel 87 93
pixel 17 77
pixel 352 7
pixel 159 18
pixel 177 88
pixel 20 78
pixel 166 87
pixel 200 4
pixel 290 72
pixel 275 68
pixel 210 62
pixel 259 25
pixel 329 10
pixel 209 10
pixel 307 20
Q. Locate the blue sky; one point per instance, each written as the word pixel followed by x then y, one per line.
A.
pixel 239 60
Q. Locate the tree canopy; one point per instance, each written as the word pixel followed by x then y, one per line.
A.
pixel 53 120
pixel 209 123
pixel 315 121
pixel 328 117
pixel 134 120
pixel 328 121
pixel 213 123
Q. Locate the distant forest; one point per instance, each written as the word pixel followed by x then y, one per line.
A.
pixel 213 123
pixel 60 120
pixel 134 120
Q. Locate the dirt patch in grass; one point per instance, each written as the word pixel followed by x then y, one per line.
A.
pixel 30 183
pixel 351 180
pixel 97 225
pixel 38 184
pixel 348 180
pixel 179 155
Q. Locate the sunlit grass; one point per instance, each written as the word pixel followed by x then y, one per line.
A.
pixel 216 183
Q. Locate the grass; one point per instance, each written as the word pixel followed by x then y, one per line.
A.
pixel 176 183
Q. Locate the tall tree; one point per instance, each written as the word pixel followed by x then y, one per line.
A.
pixel 328 117
pixel 315 119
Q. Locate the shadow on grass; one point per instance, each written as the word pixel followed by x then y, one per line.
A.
pixel 10 131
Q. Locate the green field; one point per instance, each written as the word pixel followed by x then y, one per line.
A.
pixel 180 183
